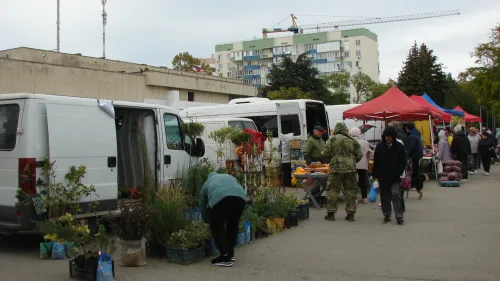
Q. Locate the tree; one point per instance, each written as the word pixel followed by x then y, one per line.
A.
pixel 338 84
pixel 379 89
pixel 484 79
pixel 363 86
pixel 288 94
pixel 300 74
pixel 186 62
pixel 422 73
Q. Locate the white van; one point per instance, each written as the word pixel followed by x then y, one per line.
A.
pixel 279 116
pixel 336 114
pixel 103 136
pixel 212 124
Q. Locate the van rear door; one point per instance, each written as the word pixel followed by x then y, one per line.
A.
pixel 82 133
pixel 289 120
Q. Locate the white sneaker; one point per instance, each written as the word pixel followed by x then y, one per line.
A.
pixel 463 180
pixel 487 174
pixel 472 172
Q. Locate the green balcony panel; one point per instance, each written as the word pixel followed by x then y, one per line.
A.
pixel 313 38
pixel 224 47
pixel 258 44
pixel 359 32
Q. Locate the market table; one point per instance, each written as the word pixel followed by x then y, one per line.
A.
pixel 315 178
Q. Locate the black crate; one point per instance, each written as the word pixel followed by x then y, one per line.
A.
pixel 303 212
pixel 184 256
pixel 85 270
pixel 154 250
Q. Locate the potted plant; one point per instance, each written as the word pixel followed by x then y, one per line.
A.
pixel 303 210
pixel 168 205
pixel 187 245
pixel 131 227
pixel 290 204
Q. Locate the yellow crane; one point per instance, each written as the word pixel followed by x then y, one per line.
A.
pixel 300 29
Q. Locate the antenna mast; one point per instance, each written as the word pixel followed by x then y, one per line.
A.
pixel 58 24
pixel 104 22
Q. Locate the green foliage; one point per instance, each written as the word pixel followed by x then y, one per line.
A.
pixel 193 129
pixel 363 85
pixel 195 176
pixel 168 205
pixel 134 221
pixel 422 73
pixel 484 80
pixel 288 94
pixel 186 62
pixel 379 89
pixel 257 222
pixel 338 84
pixel 192 237
pixel 222 138
pixel 239 138
pixel 268 203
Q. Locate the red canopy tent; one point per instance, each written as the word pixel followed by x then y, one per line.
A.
pixel 469 117
pixel 393 104
pixel 420 100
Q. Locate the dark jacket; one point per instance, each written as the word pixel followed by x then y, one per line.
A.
pixel 486 148
pixel 389 162
pixel 460 146
pixel 415 149
pixel 401 135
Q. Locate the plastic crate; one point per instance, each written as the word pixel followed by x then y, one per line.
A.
pixel 153 250
pixel 88 272
pixel 184 256
pixel 449 183
pixel 303 212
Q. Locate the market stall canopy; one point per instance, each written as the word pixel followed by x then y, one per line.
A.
pixel 469 117
pixel 446 117
pixel 455 112
pixel 393 104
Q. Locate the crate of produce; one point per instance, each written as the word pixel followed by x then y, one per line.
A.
pixel 185 256
pixel 449 183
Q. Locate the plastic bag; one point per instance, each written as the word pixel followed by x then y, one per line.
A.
pixel 58 251
pixel 46 250
pixel 104 268
pixel 71 249
pixel 132 254
pixel 372 197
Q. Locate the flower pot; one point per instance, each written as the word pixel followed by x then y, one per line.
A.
pixel 279 224
pixel 288 223
pixel 81 268
pixel 293 218
pixel 271 227
pixel 185 256
pixel 132 253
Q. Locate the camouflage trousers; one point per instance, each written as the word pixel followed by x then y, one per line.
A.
pixel 335 183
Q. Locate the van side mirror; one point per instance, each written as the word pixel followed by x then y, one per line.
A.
pixel 200 148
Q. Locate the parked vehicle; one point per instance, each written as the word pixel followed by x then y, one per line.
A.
pixel 103 136
pixel 335 114
pixel 279 116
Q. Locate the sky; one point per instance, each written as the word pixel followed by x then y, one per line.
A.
pixel 154 31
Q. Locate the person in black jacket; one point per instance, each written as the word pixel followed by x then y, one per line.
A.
pixel 486 149
pixel 415 153
pixel 389 163
pixel 460 148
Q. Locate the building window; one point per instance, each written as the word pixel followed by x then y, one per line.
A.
pixel 191 94
pixel 358 53
pixel 358 42
pixel 357 63
pixel 346 54
pixel 173 132
pixel 9 118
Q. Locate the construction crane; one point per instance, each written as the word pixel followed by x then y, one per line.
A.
pixel 300 29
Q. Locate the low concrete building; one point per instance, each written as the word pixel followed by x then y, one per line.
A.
pixel 48 72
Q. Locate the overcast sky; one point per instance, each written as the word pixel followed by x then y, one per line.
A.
pixel 153 31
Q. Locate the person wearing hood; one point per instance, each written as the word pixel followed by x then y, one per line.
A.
pixel 415 154
pixel 486 149
pixel 314 146
pixel 389 163
pixel 344 152
pixel 474 139
pixel 460 149
pixel 222 201
pixel 444 150
pixel 362 165
pixel 401 134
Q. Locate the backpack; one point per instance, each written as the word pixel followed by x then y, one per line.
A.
pixel 405 182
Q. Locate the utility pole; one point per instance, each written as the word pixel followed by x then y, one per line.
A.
pixel 58 25
pixel 104 22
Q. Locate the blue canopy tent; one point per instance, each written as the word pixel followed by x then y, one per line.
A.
pixel 450 111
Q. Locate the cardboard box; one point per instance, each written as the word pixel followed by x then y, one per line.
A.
pixel 295 144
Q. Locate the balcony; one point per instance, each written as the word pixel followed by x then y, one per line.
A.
pixel 235 59
pixel 250 77
pixel 266 55
pixel 319 61
pixel 314 51
pixel 251 67
pixel 247 58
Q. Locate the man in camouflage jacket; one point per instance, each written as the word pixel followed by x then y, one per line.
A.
pixel 343 152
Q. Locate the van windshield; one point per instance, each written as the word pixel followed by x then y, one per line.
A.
pixel 316 116
pixel 9 116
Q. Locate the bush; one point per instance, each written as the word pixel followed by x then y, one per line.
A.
pixel 168 205
pixel 134 221
pixel 192 237
pixel 194 178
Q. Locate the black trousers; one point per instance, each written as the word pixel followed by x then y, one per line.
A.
pixel 486 163
pixel 286 174
pixel 416 180
pixel 464 159
pixel 476 160
pixel 392 194
pixel 224 223
pixel 363 182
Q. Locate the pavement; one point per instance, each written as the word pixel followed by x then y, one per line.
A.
pixel 452 234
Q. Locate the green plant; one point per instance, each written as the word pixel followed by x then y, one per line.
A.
pixel 192 237
pixel 168 205
pixel 256 221
pixel 195 176
pixel 222 138
pixel 134 220
pixel 290 202
pixel 193 129
pixel 240 137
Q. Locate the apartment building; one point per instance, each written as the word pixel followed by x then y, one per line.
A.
pixel 337 51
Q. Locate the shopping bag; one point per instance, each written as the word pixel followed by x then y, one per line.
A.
pixel 105 268
pixel 58 251
pixel 372 197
